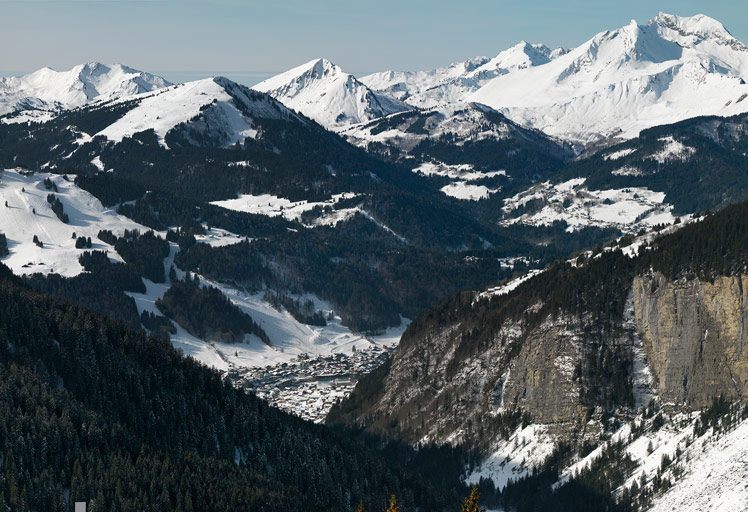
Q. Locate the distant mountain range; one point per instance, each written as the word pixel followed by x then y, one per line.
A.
pixel 608 88
pixel 47 89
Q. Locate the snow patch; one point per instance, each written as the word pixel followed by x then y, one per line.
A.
pixel 274 206
pixel 468 192
pixel 672 150
pixel 628 209
pixel 515 458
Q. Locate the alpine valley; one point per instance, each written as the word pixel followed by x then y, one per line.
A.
pixel 518 278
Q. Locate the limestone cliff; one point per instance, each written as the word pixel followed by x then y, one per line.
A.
pixel 694 332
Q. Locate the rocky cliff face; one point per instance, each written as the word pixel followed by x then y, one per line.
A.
pixel 547 371
pixel 694 332
pixel 682 340
pixel 433 393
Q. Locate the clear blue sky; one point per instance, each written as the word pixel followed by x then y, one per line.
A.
pixel 251 39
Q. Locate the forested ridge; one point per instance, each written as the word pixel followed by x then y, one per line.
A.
pixel 93 410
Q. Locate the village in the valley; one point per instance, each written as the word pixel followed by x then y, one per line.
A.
pixel 309 386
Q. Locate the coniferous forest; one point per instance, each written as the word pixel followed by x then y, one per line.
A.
pixel 92 410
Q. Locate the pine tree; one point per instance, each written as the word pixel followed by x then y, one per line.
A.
pixel 393 504
pixel 471 502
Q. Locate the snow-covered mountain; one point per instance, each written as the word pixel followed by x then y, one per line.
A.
pixel 622 81
pixel 219 112
pixel 427 89
pixel 322 91
pixel 47 89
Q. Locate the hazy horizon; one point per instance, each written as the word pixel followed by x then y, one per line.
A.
pixel 251 41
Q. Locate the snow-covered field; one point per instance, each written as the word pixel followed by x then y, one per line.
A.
pixel 507 287
pixel 465 172
pixel 25 194
pixel 273 206
pixel 627 209
pixel 462 174
pixel 672 150
pixel 716 478
pixel 467 191
pixel 712 468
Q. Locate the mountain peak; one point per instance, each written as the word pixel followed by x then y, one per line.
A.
pixel 690 31
pixel 321 67
pixel 324 92
pixel 619 81
pixel 698 24
pixel 48 89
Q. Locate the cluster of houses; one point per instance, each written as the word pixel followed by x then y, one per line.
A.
pixel 309 386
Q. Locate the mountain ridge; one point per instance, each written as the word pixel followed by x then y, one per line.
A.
pixel 48 89
pixel 624 80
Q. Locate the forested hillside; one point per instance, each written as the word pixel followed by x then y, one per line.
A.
pixel 92 410
pixel 616 342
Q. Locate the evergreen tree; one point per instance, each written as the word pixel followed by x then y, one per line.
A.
pixel 471 502
pixel 393 507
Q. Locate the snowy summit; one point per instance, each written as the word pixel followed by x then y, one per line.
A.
pixel 322 91
pixel 622 81
pixel 47 89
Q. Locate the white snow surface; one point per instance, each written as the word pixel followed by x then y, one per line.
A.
pixel 672 150
pixel 322 91
pixel 615 155
pixel 716 479
pixel 467 191
pixel 274 206
pixel 210 98
pixel 59 255
pixel 459 172
pixel 47 89
pixel 628 209
pixel 427 89
pixel 622 81
pixel 515 458
pixel 508 286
